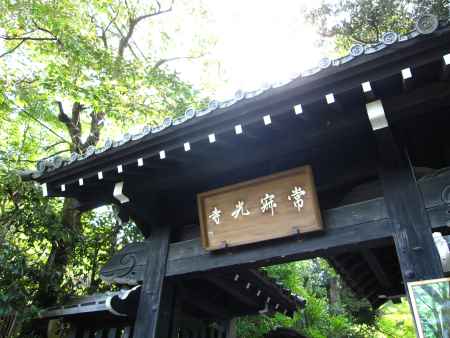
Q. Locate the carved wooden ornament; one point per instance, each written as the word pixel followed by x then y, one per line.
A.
pixel 126 266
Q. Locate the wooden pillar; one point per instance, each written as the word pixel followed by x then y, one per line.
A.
pixel 154 314
pixel 417 254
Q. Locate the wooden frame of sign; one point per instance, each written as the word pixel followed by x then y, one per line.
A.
pixel 239 214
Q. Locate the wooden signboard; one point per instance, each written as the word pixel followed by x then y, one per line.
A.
pixel 269 207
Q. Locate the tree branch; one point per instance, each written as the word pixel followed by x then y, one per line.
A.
pixel 163 61
pixel 25 38
pixel 104 39
pixel 45 126
pixel 12 49
pixel 104 30
pixel 132 51
pixel 53 145
pixel 62 116
pixel 135 45
pixel 72 124
pixel 22 144
pixel 58 41
pixel 133 22
pixel 96 126
pixel 77 108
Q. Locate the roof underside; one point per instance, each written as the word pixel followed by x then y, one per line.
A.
pixel 338 77
pixel 335 138
pixel 215 297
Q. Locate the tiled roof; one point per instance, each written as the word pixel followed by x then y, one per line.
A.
pixel 426 24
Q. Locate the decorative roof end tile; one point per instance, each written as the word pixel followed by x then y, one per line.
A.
pixel 145 131
pixel 41 165
pixel 167 122
pixel 357 50
pixel 179 120
pixel 324 63
pixel 389 38
pixel 427 24
pixel 212 105
pixel 189 113
pixel 89 151
pixel 73 157
pixel 239 95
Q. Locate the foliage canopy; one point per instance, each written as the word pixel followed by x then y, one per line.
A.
pixel 73 73
pixel 364 21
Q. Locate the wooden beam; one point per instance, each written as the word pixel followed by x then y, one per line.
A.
pixel 407 79
pixel 362 277
pixel 346 219
pixel 367 90
pixel 445 67
pixel 156 299
pixel 351 281
pixel 416 251
pixel 346 229
pixel 272 289
pixel 416 101
pixel 204 303
pixel 368 287
pixel 240 294
pixel 344 226
pixel 377 269
pixel 194 174
pixel 189 256
pixel 435 189
pixel 356 268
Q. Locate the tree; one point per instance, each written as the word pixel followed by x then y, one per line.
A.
pixel 321 318
pixel 364 21
pixel 68 69
pixel 29 224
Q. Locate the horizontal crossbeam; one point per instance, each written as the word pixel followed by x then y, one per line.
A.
pixel 345 227
pixel 360 225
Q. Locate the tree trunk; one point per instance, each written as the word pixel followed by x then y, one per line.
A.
pixel 52 277
pixel 333 294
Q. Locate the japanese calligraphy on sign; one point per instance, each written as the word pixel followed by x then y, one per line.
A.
pixel 269 207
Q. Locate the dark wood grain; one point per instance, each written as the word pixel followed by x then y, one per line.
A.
pixel 412 234
pixel 189 257
pixel 147 323
pixel 377 269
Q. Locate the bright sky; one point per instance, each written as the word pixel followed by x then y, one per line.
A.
pixel 249 42
pixel 257 42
